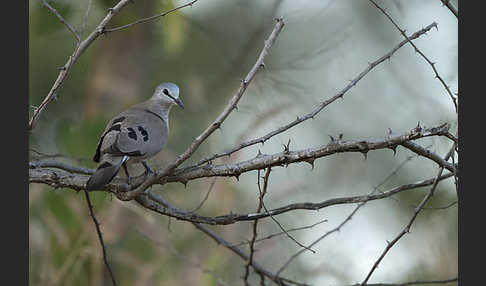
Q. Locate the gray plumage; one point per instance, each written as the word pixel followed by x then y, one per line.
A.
pixel 136 134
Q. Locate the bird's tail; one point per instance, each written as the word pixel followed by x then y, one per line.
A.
pixel 105 172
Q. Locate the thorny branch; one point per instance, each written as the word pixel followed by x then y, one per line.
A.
pixel 157 204
pixel 58 179
pixel 145 20
pixel 432 64
pixel 321 106
pixel 349 217
pixel 255 223
pixel 414 216
pixel 232 105
pixel 78 51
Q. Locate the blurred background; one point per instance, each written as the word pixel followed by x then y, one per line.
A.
pixel 207 49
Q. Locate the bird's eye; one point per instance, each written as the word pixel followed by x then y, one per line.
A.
pixel 165 91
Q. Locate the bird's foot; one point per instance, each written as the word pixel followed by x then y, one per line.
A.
pixel 148 169
pixel 129 180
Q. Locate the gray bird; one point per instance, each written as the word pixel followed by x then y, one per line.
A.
pixel 133 136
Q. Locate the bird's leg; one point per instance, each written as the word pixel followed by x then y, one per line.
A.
pixel 126 172
pixel 148 170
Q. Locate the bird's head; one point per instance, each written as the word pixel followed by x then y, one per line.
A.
pixel 168 93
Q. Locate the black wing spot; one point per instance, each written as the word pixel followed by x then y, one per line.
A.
pixel 119 119
pixel 144 133
pixel 131 133
pixel 114 127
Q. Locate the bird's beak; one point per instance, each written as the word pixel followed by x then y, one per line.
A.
pixel 179 102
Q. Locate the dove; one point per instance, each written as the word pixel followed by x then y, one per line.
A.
pixel 134 135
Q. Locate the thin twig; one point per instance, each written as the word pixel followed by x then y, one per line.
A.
pixel 157 204
pixel 432 64
pixel 255 223
pixel 270 236
pixel 100 237
pixel 320 107
pixel 86 14
pixel 232 105
pixel 78 51
pixel 258 268
pixel 151 18
pixel 414 216
pixel 66 23
pixel 428 154
pixel 205 197
pixel 182 257
pixel 348 218
pixel 451 8
pixel 285 231
pixel 420 282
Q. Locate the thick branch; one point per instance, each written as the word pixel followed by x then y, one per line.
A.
pixel 58 178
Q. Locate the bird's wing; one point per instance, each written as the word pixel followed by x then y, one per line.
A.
pixel 135 132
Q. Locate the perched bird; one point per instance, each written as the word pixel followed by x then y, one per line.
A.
pixel 133 136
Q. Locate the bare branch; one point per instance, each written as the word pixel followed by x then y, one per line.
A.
pixel 217 123
pixel 270 236
pixel 151 18
pixel 183 258
pixel 261 161
pixel 428 154
pixel 258 268
pixel 80 49
pixel 255 223
pixel 100 237
pixel 66 23
pixel 157 204
pixel 276 221
pixel 454 101
pixel 451 8
pixel 321 106
pixel 205 197
pixel 60 165
pixel 348 218
pixel 424 282
pixel 414 216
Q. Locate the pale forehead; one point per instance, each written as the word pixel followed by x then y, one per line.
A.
pixel 170 86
